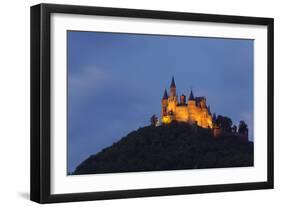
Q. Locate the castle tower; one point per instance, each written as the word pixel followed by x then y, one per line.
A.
pixel 164 103
pixel 173 88
pixel 172 99
pixel 182 99
pixel 191 100
pixel 192 110
pixel 191 96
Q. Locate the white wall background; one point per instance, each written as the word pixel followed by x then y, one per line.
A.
pixel 14 101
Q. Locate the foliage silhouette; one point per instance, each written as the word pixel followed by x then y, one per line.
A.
pixel 170 147
pixel 243 127
pixel 153 120
pixel 225 123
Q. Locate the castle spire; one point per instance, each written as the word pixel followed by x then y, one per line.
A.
pixel 191 96
pixel 173 92
pixel 165 96
pixel 173 85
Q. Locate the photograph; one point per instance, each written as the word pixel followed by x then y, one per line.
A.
pixel 131 103
pixel 154 102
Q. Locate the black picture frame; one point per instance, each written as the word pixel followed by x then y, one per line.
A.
pixel 41 99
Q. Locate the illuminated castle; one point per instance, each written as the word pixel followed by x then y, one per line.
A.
pixel 194 110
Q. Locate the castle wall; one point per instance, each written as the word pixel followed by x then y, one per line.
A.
pixel 188 113
pixel 193 115
pixel 181 113
pixel 172 104
pixel 164 107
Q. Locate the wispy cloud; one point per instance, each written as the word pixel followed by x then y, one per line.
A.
pixel 87 81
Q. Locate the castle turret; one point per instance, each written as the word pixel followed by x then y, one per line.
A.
pixel 182 99
pixel 173 99
pixel 191 100
pixel 191 96
pixel 165 96
pixel 192 110
pixel 173 88
pixel 164 103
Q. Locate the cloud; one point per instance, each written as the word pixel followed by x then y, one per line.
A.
pixel 87 81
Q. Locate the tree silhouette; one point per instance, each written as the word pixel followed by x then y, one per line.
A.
pixel 243 127
pixel 175 146
pixel 234 128
pixel 224 123
pixel 153 120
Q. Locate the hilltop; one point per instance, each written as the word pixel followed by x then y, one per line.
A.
pixel 170 147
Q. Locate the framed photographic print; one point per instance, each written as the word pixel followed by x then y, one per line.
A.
pixel 133 103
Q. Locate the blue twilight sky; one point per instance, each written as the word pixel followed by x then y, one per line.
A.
pixel 116 82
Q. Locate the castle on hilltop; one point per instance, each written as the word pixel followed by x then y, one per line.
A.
pixel 194 110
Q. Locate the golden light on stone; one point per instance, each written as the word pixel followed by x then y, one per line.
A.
pixel 193 111
pixel 166 120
